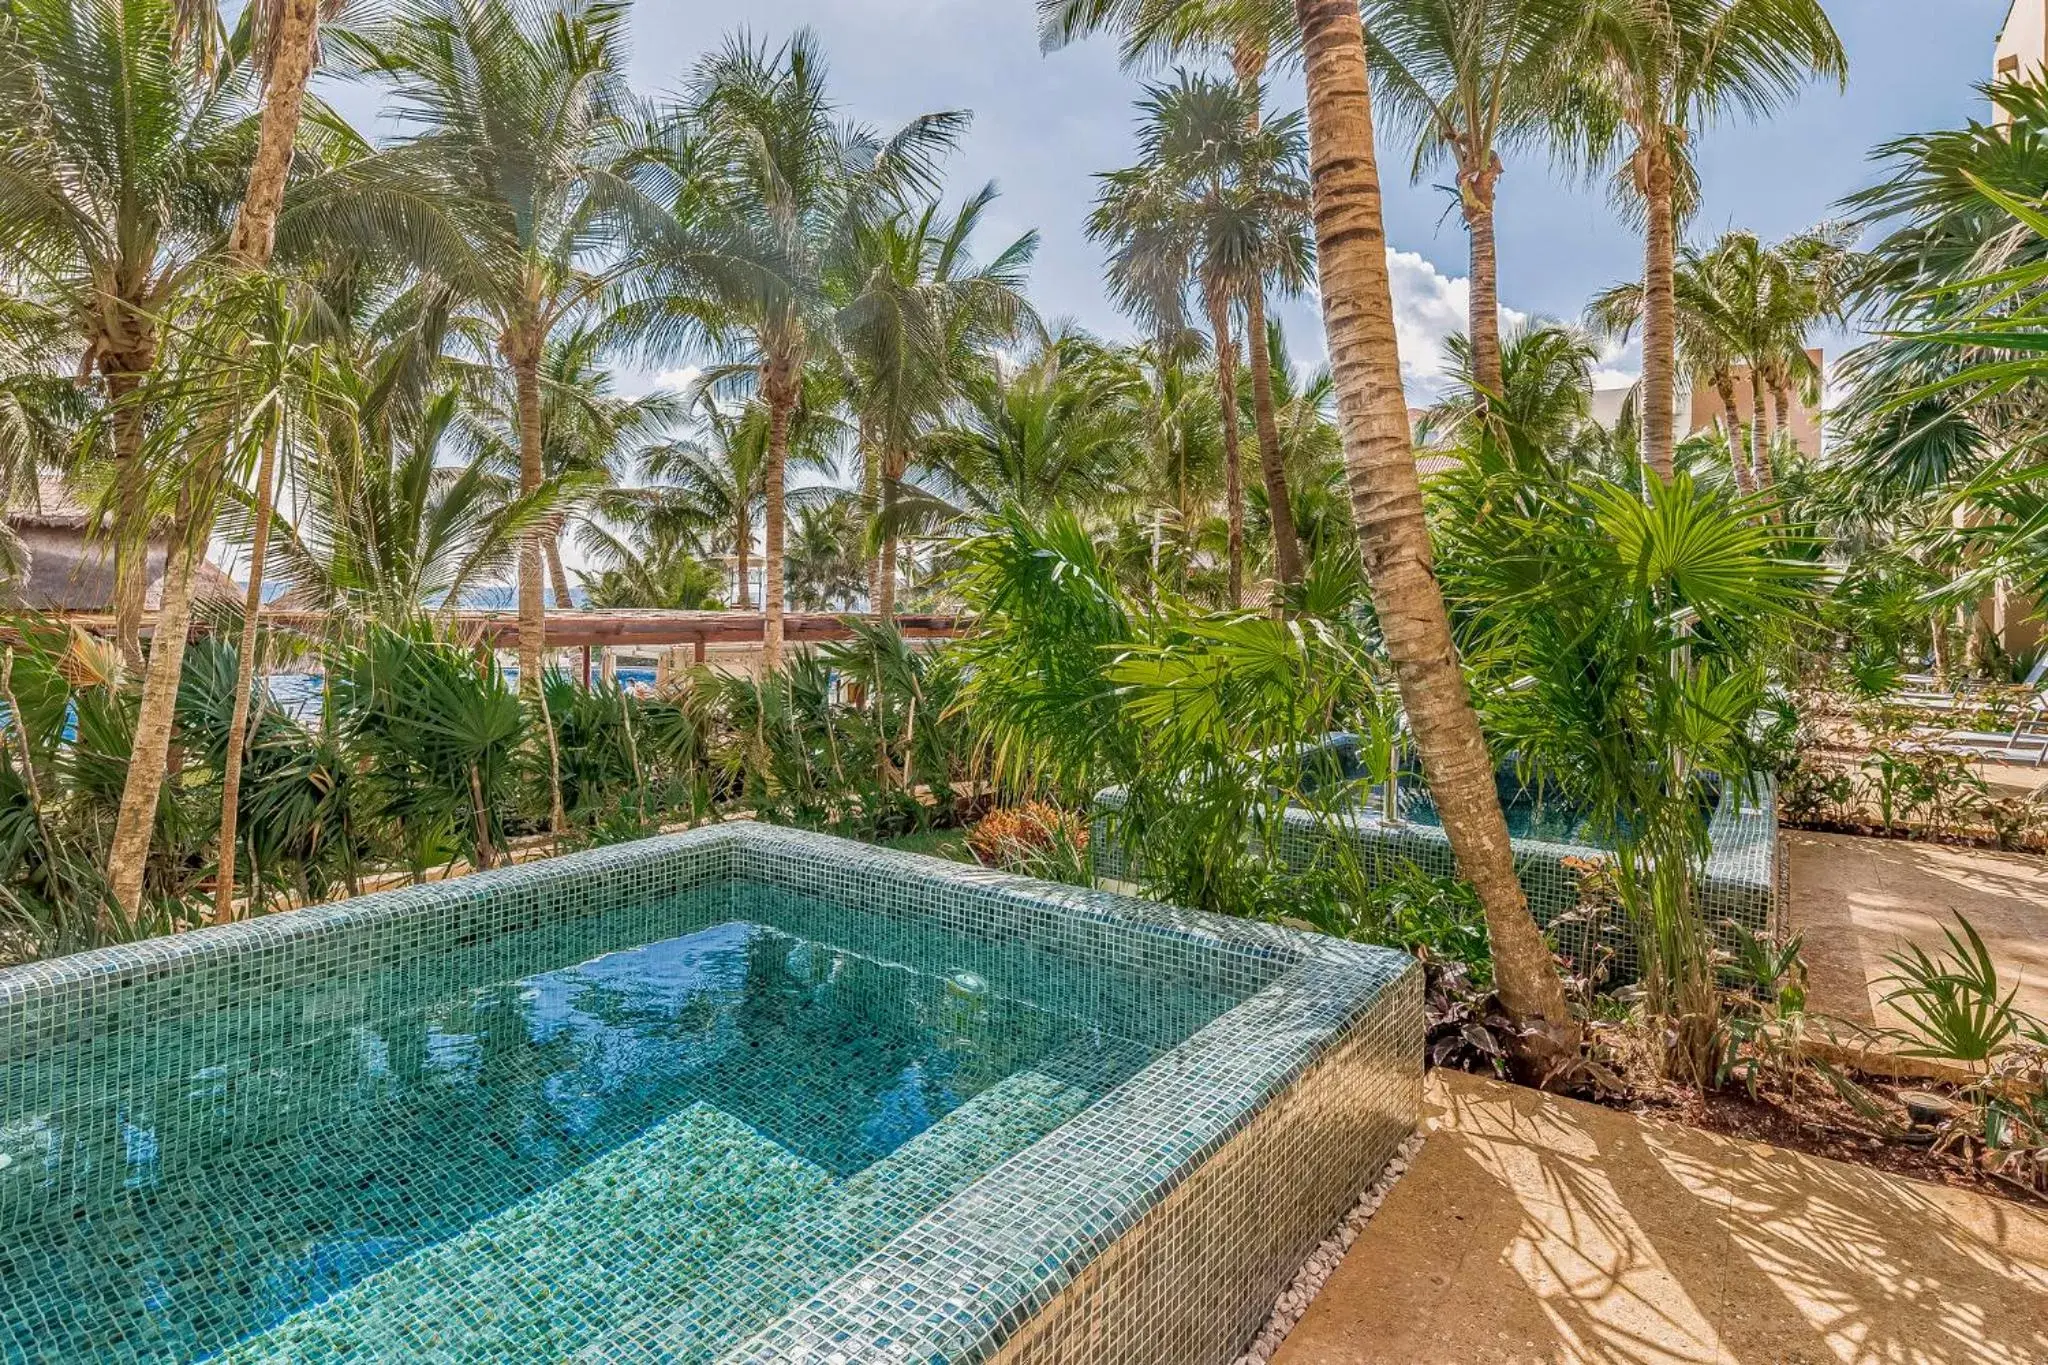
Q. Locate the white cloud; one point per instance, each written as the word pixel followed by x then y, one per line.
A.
pixel 679 380
pixel 1619 364
pixel 1428 306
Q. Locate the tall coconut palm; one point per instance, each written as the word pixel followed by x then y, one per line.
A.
pixel 1063 429
pixel 1467 80
pixel 1711 330
pixel 1820 267
pixel 919 320
pixel 1651 75
pixel 1217 199
pixel 764 185
pixel 393 517
pixel 1545 391
pixel 1760 288
pixel 708 489
pixel 502 175
pixel 119 161
pixel 1249 33
pixel 286 36
pixel 827 570
pixel 667 575
pixel 289 36
pixel 1386 501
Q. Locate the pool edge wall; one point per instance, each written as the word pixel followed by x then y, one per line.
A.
pixel 1158 1226
pixel 1195 1279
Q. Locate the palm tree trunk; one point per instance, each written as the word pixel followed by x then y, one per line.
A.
pixel 781 403
pixel 150 756
pixel 1781 403
pixel 1483 322
pixel 1386 500
pixel 743 557
pixel 1759 435
pixel 295 45
pixel 293 52
pixel 1233 456
pixel 245 684
pixel 1731 413
pixel 533 610
pixel 129 530
pixel 524 352
pixel 871 506
pixel 557 575
pixel 1286 546
pixel 885 568
pixel 1660 308
pixel 1248 62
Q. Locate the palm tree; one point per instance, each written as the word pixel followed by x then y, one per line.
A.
pixel 109 231
pixel 1216 198
pixel 827 571
pixel 1820 268
pixel 764 185
pixel 710 489
pixel 1386 501
pixel 1062 429
pixel 920 318
pixel 384 527
pixel 587 431
pixel 1711 328
pixel 286 36
pixel 1545 389
pixel 41 414
pixel 667 575
pixel 503 178
pixel 1656 72
pixel 1248 33
pixel 1467 79
pixel 1760 287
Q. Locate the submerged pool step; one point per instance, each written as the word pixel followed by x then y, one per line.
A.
pixel 638 1228
pixel 781 1260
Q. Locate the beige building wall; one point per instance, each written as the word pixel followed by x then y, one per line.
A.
pixel 1706 409
pixel 2022 49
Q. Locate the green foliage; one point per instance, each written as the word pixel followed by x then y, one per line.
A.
pixel 1954 1005
pixel 1619 645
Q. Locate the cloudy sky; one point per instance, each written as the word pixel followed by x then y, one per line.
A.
pixel 1045 124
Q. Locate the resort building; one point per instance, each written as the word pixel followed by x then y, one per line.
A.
pixel 1698 405
pixel 2022 48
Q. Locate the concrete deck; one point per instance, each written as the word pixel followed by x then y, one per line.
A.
pixel 1857 900
pixel 1534 1229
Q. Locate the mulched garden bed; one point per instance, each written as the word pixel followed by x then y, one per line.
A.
pixel 1807 1116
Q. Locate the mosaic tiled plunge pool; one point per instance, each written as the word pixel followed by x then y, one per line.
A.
pixel 739 1095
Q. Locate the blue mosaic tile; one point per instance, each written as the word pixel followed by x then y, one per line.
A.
pixel 743 1094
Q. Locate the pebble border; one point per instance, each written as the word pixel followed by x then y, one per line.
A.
pixel 1323 1262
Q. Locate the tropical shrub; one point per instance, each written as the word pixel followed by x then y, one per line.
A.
pixel 1954 1005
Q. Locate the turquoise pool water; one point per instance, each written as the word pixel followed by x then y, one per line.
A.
pixel 580 1144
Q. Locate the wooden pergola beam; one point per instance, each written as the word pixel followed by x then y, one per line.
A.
pixel 621 629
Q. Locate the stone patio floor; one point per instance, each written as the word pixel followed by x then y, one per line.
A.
pixel 1536 1229
pixel 1857 900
